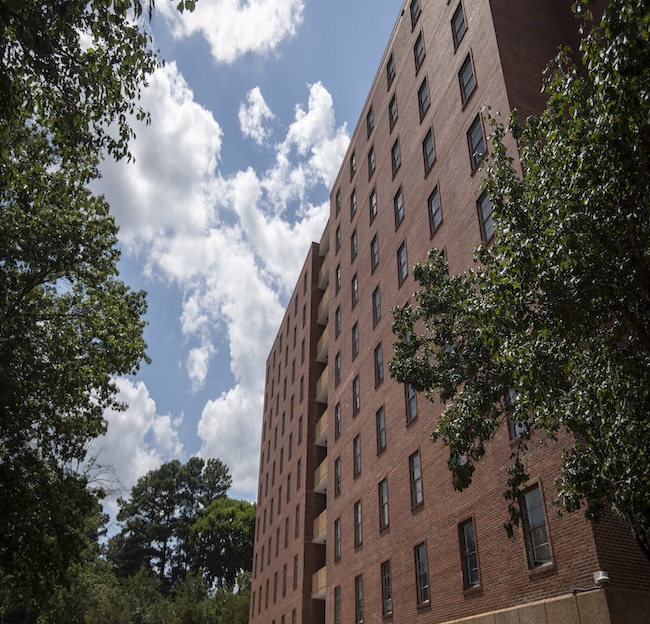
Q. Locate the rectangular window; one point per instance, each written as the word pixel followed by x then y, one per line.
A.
pixel 337 322
pixel 395 157
pixel 379 365
pixel 468 553
pixel 356 455
pixel 371 162
pixel 337 420
pixel 372 202
pixel 484 206
pixel 390 70
pixel 415 11
pixel 337 279
pixel 337 476
pixel 374 253
pixel 284 580
pixel 358 531
pixel 386 599
pixel 423 98
pixel 300 430
pixel 411 403
pixel 416 479
pixel 419 52
pixel 297 525
pixel 353 203
pixel 337 239
pixel 337 604
pixel 376 305
pixel 380 418
pixel 302 388
pixel 402 264
pixel 476 142
pixel 295 574
pixel 370 121
pixel 392 111
pixel 383 504
pixel 398 205
pixel 354 290
pixel 299 475
pixel 353 165
pixel 355 340
pixel 538 546
pixel 353 246
pixel 286 532
pixel 428 151
pixel 337 369
pixel 422 577
pixel 356 396
pixel 466 79
pixel 435 211
pixel 337 538
pixel 338 201
pixel 458 25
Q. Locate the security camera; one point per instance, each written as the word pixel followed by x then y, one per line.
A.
pixel 601 578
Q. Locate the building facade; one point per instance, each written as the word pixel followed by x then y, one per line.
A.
pixel 357 518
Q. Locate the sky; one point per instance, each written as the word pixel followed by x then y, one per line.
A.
pixel 251 116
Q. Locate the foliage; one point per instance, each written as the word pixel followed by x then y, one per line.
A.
pixel 557 312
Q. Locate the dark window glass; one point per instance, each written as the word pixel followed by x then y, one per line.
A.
pixel 398 205
pixel 423 98
pixel 419 52
pixel 392 111
pixel 435 210
pixel 476 142
pixel 484 205
pixel 390 70
pixel 428 151
pixel 466 79
pixel 468 553
pixel 395 157
pixel 458 25
pixel 415 11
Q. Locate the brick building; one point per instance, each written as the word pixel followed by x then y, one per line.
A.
pixel 357 517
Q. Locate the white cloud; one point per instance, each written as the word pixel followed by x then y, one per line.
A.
pixel 197 364
pixel 253 115
pixel 234 28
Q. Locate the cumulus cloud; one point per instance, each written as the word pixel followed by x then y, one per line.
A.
pixel 234 28
pixel 229 245
pixel 253 115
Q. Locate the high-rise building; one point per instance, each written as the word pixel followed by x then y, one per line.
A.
pixel 357 517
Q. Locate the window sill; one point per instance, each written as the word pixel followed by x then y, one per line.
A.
pixel 470 592
pixel 424 606
pixel 542 570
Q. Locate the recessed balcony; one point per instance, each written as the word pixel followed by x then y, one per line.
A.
pixel 324 308
pixel 320 478
pixel 321 386
pixel 319 584
pixel 322 346
pixel 324 273
pixel 320 528
pixel 321 430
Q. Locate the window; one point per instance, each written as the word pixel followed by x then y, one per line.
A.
pixel 355 340
pixel 415 11
pixel 337 604
pixel 356 455
pixel 484 205
pixel 338 201
pixel 337 322
pixel 337 420
pixel 337 239
pixel 418 52
pixel 353 245
pixel 380 418
pixel 297 525
pixel 386 600
pixel 435 211
pixel 468 553
pixel 466 79
pixel 423 98
pixel 422 578
pixel 337 476
pixel 383 504
pixel 458 25
pixel 376 306
pixel 370 121
pixel 371 162
pixel 374 253
pixel 395 157
pixel 411 403
pixel 299 474
pixel 354 290
pixel 302 388
pixel 337 538
pixel 358 532
pixel 392 111
pixel 284 580
pixel 353 203
pixel 358 599
pixel 538 546
pixel 416 479
pixel 398 205
pixel 337 369
pixel 337 279
pixel 379 365
pixel 402 264
pixel 356 396
pixel 390 70
pixel 288 487
pixel 428 151
pixel 476 142
pixel 295 576
pixel 373 205
pixel 300 430
pixel 286 532
pixel 353 165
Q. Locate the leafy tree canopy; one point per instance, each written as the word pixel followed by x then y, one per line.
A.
pixel 556 314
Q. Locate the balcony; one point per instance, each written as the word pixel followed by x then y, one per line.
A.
pixel 322 346
pixel 321 386
pixel 320 528
pixel 319 584
pixel 324 244
pixel 324 273
pixel 320 478
pixel 324 308
pixel 321 430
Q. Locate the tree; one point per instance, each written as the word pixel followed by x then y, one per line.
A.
pixel 70 75
pixel 556 314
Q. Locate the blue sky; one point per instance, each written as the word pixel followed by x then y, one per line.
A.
pixel 251 116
